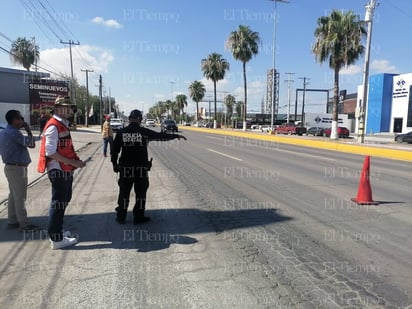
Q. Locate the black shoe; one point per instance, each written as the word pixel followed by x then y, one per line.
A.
pixel 12 226
pixel 120 220
pixel 140 220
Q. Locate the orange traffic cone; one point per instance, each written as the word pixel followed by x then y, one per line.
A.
pixel 364 196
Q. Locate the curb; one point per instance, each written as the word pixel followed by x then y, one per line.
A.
pixel 375 151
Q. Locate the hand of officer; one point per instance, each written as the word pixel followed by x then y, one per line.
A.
pixel 179 136
pixel 116 168
pixel 78 163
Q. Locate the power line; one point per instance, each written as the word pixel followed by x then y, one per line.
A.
pixel 65 26
pixel 41 18
pixel 58 25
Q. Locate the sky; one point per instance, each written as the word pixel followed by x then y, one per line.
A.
pixel 148 51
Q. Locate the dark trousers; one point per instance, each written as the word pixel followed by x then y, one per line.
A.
pixel 129 177
pixel 107 140
pixel 61 183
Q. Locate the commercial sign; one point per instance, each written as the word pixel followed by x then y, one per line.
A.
pixel 42 94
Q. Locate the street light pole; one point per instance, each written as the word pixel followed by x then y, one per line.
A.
pixel 274 60
pixel 370 8
pixel 289 82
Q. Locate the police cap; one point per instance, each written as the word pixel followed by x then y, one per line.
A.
pixel 135 114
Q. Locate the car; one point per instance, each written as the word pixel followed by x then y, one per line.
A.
pixel 315 131
pixel 342 132
pixel 116 124
pixel 211 125
pixel 2 126
pixel 199 124
pixel 168 125
pixel 406 137
pixel 150 123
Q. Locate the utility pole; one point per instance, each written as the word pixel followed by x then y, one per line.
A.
pixel 100 99
pixel 110 102
pixel 370 9
pixel 289 83
pixel 72 90
pixel 87 96
pixel 303 100
pixel 274 93
pixel 35 54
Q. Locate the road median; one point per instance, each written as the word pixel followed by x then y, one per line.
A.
pixel 346 145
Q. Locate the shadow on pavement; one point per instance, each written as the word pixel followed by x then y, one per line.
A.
pixel 167 227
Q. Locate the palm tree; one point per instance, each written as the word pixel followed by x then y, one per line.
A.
pixel 24 52
pixel 244 44
pixel 338 38
pixel 214 67
pixel 197 92
pixel 230 102
pixel 181 102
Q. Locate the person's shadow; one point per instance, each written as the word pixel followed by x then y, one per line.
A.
pixel 168 227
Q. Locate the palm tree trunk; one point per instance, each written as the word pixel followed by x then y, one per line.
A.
pixel 334 131
pixel 214 117
pixel 245 92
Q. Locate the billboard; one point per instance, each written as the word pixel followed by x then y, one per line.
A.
pixel 42 94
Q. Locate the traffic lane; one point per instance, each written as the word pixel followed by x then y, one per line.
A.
pixel 333 164
pixel 323 208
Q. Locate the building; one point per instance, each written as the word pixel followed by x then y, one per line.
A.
pixel 389 106
pixel 31 93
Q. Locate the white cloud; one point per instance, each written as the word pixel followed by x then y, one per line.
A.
pixel 84 57
pixel 383 66
pixel 111 23
pixel 351 70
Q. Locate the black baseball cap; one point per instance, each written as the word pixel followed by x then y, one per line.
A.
pixel 134 114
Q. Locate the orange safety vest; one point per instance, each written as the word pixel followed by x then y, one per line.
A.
pixel 64 146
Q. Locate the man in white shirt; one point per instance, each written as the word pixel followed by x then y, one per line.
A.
pixel 58 156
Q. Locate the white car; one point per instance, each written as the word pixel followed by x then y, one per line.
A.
pixel 116 124
pixel 150 123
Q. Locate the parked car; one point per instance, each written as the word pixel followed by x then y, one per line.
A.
pixel 116 124
pixel 315 131
pixel 168 125
pixel 210 125
pixel 406 137
pixel 290 128
pixel 199 124
pixel 342 132
pixel 150 123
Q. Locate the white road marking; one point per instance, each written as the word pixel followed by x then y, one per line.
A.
pixel 223 154
pixel 306 155
pixel 214 137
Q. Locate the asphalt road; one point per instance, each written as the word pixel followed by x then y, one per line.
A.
pixel 236 223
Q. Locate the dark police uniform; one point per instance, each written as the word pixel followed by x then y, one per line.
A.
pixel 133 165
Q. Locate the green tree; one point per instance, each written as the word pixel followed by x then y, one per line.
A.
pixel 239 108
pixel 24 52
pixel 214 67
pixel 230 102
pixel 244 44
pixel 338 39
pixel 181 102
pixel 197 92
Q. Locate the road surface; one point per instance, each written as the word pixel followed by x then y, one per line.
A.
pixel 236 223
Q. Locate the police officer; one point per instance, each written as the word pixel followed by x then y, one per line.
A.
pixel 133 165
